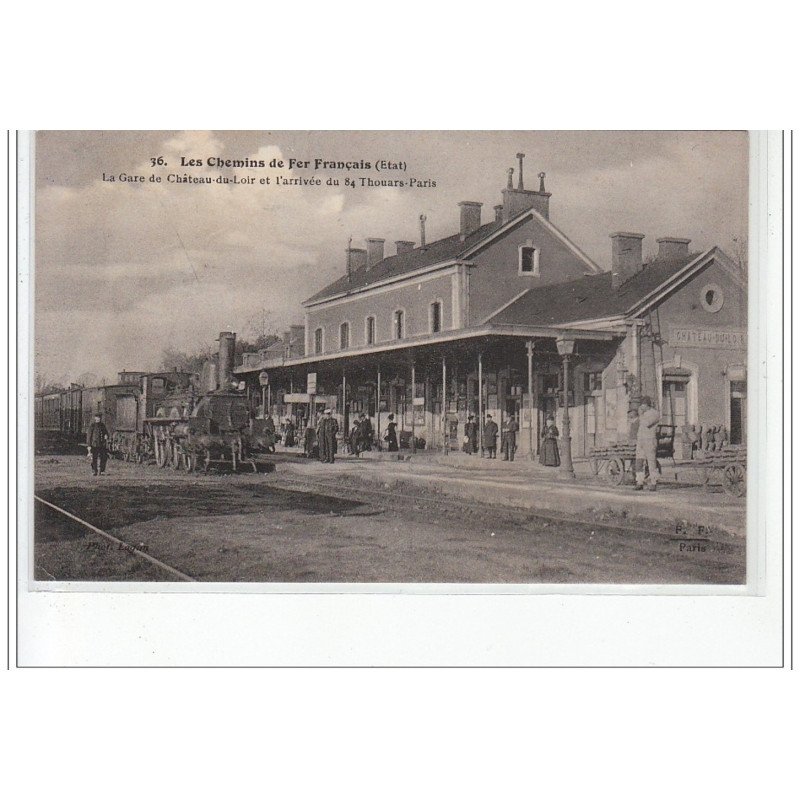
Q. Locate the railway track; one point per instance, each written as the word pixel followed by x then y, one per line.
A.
pixel 426 506
pixel 116 540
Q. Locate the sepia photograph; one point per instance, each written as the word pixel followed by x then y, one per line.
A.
pixel 452 358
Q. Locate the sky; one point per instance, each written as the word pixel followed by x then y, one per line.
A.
pixel 123 270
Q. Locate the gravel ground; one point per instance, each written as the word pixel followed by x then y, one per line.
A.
pixel 250 527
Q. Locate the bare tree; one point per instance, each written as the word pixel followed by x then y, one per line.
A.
pixel 44 384
pixel 174 359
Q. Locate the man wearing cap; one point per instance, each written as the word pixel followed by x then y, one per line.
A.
pixel 97 442
pixel 490 437
pixel 646 443
pixel 470 435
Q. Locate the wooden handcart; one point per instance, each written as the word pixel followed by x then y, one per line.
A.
pixel 616 461
pixel 726 468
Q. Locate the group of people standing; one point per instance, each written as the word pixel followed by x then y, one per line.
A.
pixel 321 442
pixel 360 436
pixel 508 437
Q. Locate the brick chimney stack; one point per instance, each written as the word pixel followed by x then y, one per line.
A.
pixel 670 247
pixel 498 213
pixel 374 251
pixel 356 259
pixel 515 201
pixel 626 256
pixel 403 246
pixel 470 217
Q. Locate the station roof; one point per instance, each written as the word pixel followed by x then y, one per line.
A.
pixel 590 297
pixel 448 249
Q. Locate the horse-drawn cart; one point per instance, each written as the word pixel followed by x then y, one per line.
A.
pixel 726 468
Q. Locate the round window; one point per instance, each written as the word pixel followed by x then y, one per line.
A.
pixel 712 298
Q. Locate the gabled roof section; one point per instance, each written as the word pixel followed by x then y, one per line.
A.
pixel 557 232
pixel 593 297
pixel 442 251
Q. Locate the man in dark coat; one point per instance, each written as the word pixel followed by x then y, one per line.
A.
pixel 470 435
pixel 97 441
pixel 326 434
pixel 510 428
pixel 490 437
pixel 269 427
pixel 365 427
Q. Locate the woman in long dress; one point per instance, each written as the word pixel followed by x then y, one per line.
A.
pixel 549 455
pixel 391 435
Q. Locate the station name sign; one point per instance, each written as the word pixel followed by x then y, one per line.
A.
pixel 710 337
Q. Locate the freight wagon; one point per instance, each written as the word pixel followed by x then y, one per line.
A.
pixel 125 407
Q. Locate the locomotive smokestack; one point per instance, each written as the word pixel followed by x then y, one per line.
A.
pixel 227 350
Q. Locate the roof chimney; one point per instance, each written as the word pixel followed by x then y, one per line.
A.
pixel 470 217
pixel 422 219
pixel 403 246
pixel 626 257
pixel 670 247
pixel 515 201
pixel 498 213
pixel 374 251
pixel 356 259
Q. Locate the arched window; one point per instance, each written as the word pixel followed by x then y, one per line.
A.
pixel 344 336
pixel 436 317
pixel 318 341
pixel 399 324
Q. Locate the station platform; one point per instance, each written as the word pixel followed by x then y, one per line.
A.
pixel 680 499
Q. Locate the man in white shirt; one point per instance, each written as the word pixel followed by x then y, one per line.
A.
pixel 646 443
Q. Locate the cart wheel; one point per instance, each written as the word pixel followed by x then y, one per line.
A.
pixel 615 471
pixel 734 480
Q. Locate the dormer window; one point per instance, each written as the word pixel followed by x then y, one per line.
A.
pixel 529 259
pixel 344 336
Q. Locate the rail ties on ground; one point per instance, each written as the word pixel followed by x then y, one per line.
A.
pixel 129 547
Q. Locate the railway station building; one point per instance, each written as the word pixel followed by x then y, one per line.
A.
pixel 509 317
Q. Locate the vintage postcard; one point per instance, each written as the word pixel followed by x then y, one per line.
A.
pixel 450 359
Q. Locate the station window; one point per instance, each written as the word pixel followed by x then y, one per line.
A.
pixel 344 336
pixel 529 260
pixel 436 317
pixel 399 324
pixel 318 341
pixel 370 330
